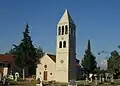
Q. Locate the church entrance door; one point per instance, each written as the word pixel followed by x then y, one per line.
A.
pixel 45 75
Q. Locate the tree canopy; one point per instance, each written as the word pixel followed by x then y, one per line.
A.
pixel 114 62
pixel 89 60
pixel 25 54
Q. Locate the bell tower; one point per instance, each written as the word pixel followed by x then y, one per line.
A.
pixel 66 49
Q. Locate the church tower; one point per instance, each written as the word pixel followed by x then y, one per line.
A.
pixel 66 49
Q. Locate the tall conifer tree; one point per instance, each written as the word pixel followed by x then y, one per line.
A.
pixel 88 61
pixel 26 55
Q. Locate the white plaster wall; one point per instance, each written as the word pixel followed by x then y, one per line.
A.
pixel 67 70
pixel 62 68
pixel 5 71
pixel 61 74
pixel 46 60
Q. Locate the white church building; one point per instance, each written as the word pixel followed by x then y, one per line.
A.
pixel 61 67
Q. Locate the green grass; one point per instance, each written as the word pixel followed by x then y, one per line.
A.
pixel 79 83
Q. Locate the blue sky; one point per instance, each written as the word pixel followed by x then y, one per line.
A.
pixel 97 20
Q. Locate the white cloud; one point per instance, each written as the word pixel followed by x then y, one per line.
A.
pixel 103 64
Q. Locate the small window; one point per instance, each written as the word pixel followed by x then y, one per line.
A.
pixel 59 30
pixel 66 29
pixel 62 30
pixel 64 44
pixel 40 73
pixel 50 73
pixel 45 66
pixel 60 44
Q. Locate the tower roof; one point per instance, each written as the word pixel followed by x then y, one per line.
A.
pixel 66 18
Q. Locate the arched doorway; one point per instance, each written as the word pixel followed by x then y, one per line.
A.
pixel 45 75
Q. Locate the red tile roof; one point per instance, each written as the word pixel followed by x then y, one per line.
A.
pixel 6 58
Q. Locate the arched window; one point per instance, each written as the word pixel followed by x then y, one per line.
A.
pixel 59 30
pixel 66 29
pixel 60 44
pixel 64 44
pixel 62 30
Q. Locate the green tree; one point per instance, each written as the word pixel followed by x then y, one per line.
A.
pixel 89 60
pixel 25 54
pixel 114 63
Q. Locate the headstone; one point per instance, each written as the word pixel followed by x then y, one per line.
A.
pixel 90 76
pixel 16 76
pixel 96 82
pixel 103 79
pixel 86 79
pixel 106 76
pixel 100 79
pixel 10 77
pixel 112 80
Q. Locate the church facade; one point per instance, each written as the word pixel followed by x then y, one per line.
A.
pixel 62 66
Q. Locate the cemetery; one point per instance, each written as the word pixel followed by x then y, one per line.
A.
pixel 87 82
pixel 26 64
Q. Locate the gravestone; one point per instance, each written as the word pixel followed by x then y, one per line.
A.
pixel 96 82
pixel 100 79
pixel 86 80
pixel 103 79
pixel 111 79
pixel 90 76
pixel 106 76
pixel 16 76
pixel 10 77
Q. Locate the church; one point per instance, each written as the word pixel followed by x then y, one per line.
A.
pixel 63 66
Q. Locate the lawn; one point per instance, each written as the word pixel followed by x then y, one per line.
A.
pixel 79 83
